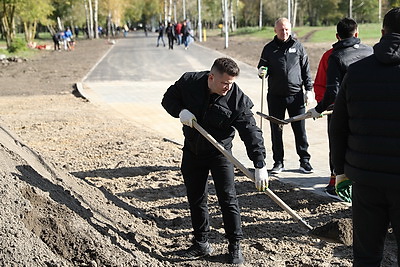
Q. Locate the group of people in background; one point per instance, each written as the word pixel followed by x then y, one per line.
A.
pixel 362 82
pixel 179 32
pixel 64 39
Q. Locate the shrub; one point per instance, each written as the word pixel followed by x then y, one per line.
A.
pixel 17 44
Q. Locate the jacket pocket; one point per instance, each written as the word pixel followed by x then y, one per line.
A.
pixel 218 116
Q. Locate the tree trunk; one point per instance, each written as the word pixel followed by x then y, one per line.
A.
pixel 91 20
pixel 232 17
pixel 8 23
pixel 30 31
pixel 88 26
pixel 96 19
pixel 294 13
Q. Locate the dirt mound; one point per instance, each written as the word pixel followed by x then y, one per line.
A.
pixel 41 217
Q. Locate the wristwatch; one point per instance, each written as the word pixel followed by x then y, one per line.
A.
pixel 259 164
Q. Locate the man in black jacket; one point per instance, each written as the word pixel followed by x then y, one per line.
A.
pixel 215 101
pixel 365 136
pixel 285 61
pixel 347 50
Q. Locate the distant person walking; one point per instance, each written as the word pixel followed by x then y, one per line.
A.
pixel 170 30
pixel 160 34
pixel 365 138
pixel 178 33
pixel 185 34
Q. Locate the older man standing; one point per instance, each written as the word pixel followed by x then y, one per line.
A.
pixel 285 62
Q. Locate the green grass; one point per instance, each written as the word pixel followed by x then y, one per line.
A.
pixel 44 38
pixel 370 32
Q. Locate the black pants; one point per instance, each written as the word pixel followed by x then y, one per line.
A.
pixel 277 106
pixel 329 145
pixel 195 174
pixel 374 208
pixel 170 42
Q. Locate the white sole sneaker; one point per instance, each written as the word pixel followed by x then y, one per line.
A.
pixel 305 171
pixel 277 171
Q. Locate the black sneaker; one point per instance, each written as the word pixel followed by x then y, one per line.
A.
pixel 197 250
pixel 330 191
pixel 278 167
pixel 235 255
pixel 305 167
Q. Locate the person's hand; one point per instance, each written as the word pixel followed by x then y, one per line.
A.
pixel 262 71
pixel 187 117
pixel 261 179
pixel 314 114
pixel 308 97
pixel 343 187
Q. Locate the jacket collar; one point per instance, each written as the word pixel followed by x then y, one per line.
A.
pixel 388 49
pixel 348 42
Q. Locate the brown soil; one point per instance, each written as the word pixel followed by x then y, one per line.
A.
pixel 82 186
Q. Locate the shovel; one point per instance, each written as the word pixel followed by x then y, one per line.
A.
pixel 250 175
pixel 334 231
pixel 272 118
pixel 291 119
pixel 306 115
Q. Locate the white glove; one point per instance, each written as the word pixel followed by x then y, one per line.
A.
pixel 262 71
pixel 308 97
pixel 187 117
pixel 314 114
pixel 261 178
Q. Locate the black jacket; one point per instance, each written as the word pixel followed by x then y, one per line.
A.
pixel 288 67
pixel 218 115
pixel 365 126
pixel 345 52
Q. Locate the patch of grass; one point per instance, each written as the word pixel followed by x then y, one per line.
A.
pixel 323 34
pixel 369 31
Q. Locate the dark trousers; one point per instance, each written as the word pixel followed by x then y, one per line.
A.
pixel 160 37
pixel 329 143
pixel 374 208
pixel 195 174
pixel 277 106
pixel 170 42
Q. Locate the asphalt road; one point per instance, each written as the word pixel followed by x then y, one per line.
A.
pixel 133 76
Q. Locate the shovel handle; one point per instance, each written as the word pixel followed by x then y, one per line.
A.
pixel 249 174
pixel 306 116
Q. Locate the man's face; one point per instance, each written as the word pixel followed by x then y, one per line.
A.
pixel 282 30
pixel 220 83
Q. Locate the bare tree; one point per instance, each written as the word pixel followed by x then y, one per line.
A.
pixel 95 18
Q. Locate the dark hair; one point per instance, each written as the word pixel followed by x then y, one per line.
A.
pixel 346 28
pixel 225 65
pixel 391 21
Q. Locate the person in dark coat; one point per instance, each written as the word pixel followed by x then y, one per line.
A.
pixel 170 30
pixel 215 102
pixel 288 71
pixel 365 136
pixel 161 29
pixel 347 50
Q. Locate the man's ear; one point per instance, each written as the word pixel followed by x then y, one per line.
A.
pixel 337 36
pixel 383 32
pixel 356 34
